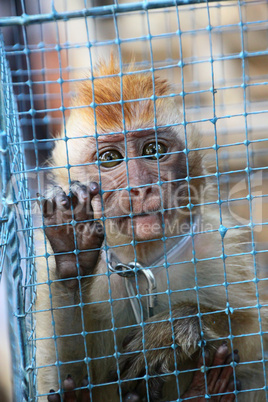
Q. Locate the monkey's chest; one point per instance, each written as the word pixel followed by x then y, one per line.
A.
pixel 143 295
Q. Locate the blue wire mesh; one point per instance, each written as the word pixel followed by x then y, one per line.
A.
pixel 17 255
pixel 222 91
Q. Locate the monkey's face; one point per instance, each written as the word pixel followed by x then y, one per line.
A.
pixel 143 173
pixel 143 181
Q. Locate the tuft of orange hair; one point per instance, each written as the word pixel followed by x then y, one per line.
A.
pixel 109 91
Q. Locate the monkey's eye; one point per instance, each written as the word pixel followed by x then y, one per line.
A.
pixel 152 148
pixel 110 159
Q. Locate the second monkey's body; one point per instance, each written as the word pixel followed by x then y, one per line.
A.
pixel 151 189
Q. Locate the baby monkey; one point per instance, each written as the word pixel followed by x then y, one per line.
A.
pixel 129 161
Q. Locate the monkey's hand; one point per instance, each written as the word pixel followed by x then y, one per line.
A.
pixel 74 236
pixel 219 384
pixel 153 349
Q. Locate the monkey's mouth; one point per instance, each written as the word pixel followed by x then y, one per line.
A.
pixel 151 217
pixel 147 213
pixel 140 215
pixel 146 225
pixel 143 211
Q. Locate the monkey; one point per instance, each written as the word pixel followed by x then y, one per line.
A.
pixel 130 185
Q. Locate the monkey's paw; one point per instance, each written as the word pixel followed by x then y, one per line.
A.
pixel 219 384
pixel 71 230
pixel 69 392
pixel 149 353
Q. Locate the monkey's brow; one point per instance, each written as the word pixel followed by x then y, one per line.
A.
pixel 111 137
pixel 141 133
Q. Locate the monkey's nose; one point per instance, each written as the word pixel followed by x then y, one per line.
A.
pixel 134 191
pixel 142 191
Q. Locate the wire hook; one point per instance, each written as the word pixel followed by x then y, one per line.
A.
pixel 128 271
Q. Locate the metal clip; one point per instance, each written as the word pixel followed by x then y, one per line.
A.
pixel 151 281
pixel 127 271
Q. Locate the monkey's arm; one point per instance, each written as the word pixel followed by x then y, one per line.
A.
pixel 74 237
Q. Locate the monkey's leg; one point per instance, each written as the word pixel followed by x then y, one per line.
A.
pixel 69 227
pixel 73 235
pixel 152 350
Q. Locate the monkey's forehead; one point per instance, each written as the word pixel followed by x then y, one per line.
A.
pixel 134 118
pixel 116 117
pixel 140 133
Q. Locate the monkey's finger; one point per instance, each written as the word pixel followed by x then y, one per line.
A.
pixel 81 200
pixel 198 382
pixel 96 206
pixel 94 188
pixel 219 360
pixel 226 373
pixel 89 233
pixel 97 231
pixel 85 395
pixel 53 397
pixel 48 207
pixel 95 200
pixel 61 199
pixel 201 360
pixel 80 191
pixel 231 387
pixel 58 201
pixel 233 357
pixel 198 378
pixel 69 386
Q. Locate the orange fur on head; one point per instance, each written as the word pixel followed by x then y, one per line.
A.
pixel 116 101
pixel 110 86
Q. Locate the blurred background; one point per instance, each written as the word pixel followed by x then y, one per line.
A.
pixel 216 56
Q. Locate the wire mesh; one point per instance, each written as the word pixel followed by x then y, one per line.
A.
pixel 215 55
pixel 16 233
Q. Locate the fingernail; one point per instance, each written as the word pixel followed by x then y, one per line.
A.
pixel 94 187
